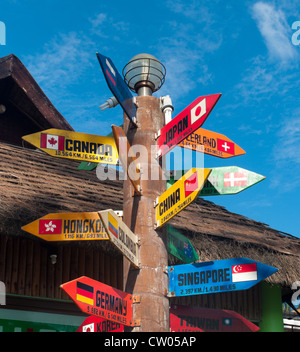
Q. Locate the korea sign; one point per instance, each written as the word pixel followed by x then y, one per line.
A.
pixel 216 276
pixel 117 86
pixel 195 319
pixel 121 236
pixel 211 143
pixel 68 227
pixel 95 298
pixel 186 122
pixel 179 195
pixel 76 146
pixel 96 324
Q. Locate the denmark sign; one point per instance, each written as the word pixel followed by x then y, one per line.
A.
pixel 179 195
pixel 211 143
pixel 117 86
pixel 216 276
pixel 75 145
pixel 95 298
pixel 121 235
pixel 186 122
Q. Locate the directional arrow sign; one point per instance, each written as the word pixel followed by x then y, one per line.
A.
pixel 68 227
pixel 117 86
pixel 211 143
pixel 95 298
pixel 121 236
pixel 179 195
pixel 75 145
pixel 224 180
pixel 216 276
pixel 186 122
pixel 127 158
pixel 194 319
pixel 180 246
pixel 96 324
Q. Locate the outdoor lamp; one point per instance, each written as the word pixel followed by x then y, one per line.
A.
pixel 144 74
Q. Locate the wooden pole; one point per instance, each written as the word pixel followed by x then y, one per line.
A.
pixel 150 282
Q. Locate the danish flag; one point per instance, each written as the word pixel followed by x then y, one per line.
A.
pixel 235 179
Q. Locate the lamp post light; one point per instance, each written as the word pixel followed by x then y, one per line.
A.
pixel 144 74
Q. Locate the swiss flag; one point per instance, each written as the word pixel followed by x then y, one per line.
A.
pixel 50 226
pixel 50 141
pixel 191 184
pixel 225 146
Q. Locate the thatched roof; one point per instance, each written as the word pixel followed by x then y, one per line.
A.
pixel 33 184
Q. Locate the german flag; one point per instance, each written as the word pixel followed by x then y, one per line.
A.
pixel 85 293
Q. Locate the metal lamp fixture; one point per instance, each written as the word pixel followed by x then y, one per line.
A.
pixel 144 74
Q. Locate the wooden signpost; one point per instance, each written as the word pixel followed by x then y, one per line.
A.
pixel 179 195
pixel 211 143
pixel 121 236
pixel 95 298
pixel 75 145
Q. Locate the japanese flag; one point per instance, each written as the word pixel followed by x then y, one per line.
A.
pixel 198 111
pixel 244 272
pixel 50 141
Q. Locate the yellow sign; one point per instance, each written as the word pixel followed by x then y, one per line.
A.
pixel 68 227
pixel 75 145
pixel 179 195
pixel 121 235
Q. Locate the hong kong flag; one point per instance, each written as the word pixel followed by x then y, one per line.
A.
pixel 50 226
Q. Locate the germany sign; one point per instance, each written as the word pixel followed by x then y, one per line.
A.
pixel 179 195
pixel 75 145
pixel 95 298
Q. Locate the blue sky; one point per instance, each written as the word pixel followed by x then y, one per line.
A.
pixel 242 49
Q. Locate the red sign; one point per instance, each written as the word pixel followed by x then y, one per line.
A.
pixel 186 122
pixel 94 324
pixel 100 300
pixel 192 319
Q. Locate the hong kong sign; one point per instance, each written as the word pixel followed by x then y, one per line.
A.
pixel 186 122
pixel 179 195
pixel 75 145
pixel 216 276
pixel 68 227
pixel 100 300
pixel 121 235
pixel 117 86
pixel 211 143
pixel 194 319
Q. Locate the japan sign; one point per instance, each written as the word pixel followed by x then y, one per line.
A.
pixel 195 319
pixel 75 145
pixel 95 298
pixel 211 143
pixel 117 86
pixel 216 276
pixel 68 227
pixel 121 236
pixel 186 122
pixel 179 195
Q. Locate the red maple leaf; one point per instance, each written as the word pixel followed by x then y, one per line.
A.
pixel 52 141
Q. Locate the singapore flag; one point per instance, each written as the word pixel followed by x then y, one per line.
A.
pixel 244 272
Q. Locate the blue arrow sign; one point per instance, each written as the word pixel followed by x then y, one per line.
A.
pixel 216 276
pixel 117 86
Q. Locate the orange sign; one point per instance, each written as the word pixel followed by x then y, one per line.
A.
pixel 128 160
pixel 100 300
pixel 211 143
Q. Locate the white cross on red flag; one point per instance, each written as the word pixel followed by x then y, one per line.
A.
pixel 235 179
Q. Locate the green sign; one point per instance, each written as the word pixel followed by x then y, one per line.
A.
pixel 180 246
pixel 225 180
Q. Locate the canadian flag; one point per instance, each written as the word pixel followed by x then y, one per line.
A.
pixel 235 179
pixel 244 272
pixel 50 226
pixel 50 141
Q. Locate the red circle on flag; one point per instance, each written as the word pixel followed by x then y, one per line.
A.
pixel 198 111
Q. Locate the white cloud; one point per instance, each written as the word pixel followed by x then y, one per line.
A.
pixel 275 31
